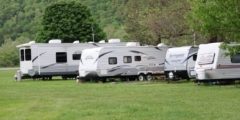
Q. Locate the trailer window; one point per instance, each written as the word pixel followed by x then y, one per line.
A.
pixel 61 57
pixel 22 55
pixel 206 58
pixel 236 58
pixel 112 60
pixel 137 58
pixel 28 54
pixel 127 59
pixel 76 56
pixel 194 57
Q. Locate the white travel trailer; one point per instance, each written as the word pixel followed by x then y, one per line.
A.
pixel 129 62
pixel 44 60
pixel 213 65
pixel 180 62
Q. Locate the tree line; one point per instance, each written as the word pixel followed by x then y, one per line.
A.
pixel 176 23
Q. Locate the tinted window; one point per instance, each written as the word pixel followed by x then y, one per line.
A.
pixel 76 56
pixel 112 60
pixel 127 59
pixel 194 57
pixel 28 54
pixel 61 57
pixel 137 58
pixel 236 58
pixel 22 55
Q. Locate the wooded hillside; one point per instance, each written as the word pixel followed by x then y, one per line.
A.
pixel 23 17
pixel 173 22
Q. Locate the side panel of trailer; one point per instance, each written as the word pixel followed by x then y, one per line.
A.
pixel 49 60
pixel 88 61
pixel 59 59
pixel 124 61
pixel 207 61
pixel 176 59
pixel 180 62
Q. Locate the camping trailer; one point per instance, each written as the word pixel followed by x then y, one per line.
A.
pixel 180 62
pixel 129 62
pixel 44 60
pixel 213 65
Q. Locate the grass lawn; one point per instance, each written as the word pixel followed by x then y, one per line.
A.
pixel 68 100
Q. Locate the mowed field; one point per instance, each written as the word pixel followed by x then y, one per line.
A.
pixel 68 100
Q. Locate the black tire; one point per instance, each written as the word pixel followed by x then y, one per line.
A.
pixel 149 77
pixel 141 77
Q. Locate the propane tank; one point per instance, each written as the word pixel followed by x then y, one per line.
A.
pixel 170 75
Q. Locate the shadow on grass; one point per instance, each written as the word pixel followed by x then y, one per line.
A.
pixel 35 80
pixel 221 84
pixel 179 81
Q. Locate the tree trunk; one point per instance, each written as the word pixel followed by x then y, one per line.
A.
pixel 222 39
pixel 212 39
pixel 159 40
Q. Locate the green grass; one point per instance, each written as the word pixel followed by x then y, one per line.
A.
pixel 61 100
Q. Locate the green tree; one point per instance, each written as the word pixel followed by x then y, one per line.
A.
pixel 153 21
pixel 69 21
pixel 218 19
pixel 10 57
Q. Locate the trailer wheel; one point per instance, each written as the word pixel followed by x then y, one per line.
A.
pixel 149 77
pixel 141 77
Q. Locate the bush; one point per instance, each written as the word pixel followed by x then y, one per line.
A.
pixel 9 54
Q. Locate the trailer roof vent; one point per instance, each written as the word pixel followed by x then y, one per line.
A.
pixel 76 41
pixel 102 41
pixel 133 44
pixel 55 41
pixel 31 42
pixel 161 44
pixel 114 41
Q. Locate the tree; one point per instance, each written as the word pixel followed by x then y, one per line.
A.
pixel 69 21
pixel 218 19
pixel 151 21
pixel 10 57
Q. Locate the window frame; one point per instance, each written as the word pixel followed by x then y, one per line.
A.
pixel 112 58
pixel 139 59
pixel 28 56
pixel 236 56
pixel 76 56
pixel 22 52
pixel 59 58
pixel 195 57
pixel 127 59
pixel 205 63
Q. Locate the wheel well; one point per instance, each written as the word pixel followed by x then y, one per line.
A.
pixel 141 74
pixel 149 73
